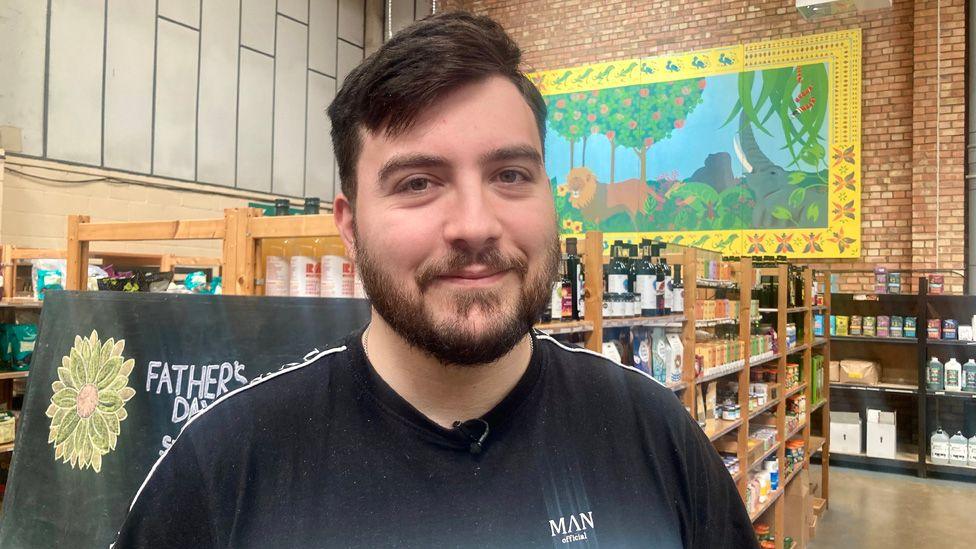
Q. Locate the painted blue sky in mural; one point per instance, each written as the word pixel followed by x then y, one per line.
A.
pixel 685 151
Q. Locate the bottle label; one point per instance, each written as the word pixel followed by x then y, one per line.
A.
pixel 935 374
pixel 952 378
pixel 969 378
pixel 337 277
pixel 276 276
pixel 668 293
pixel 648 294
pixel 556 301
pixel 958 451
pixel 305 277
pixel 659 289
pixel 940 450
pixel 678 300
pixel 616 284
pixel 567 300
pixel 580 293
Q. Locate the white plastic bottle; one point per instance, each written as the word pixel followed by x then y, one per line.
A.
pixel 972 451
pixel 305 272
pixel 953 375
pixel 958 449
pixel 940 447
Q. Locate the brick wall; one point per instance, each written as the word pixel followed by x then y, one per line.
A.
pixel 912 198
pixel 33 211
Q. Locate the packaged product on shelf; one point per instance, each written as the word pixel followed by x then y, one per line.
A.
pixel 953 375
pixel 950 328
pixel 910 322
pixel 645 280
pixel 7 427
pixel 969 376
pixel 856 325
pixel 842 325
pixel 677 292
pixel 642 349
pixel 935 375
pixel 934 328
pixel 818 325
pixel 972 452
pixel 792 375
pixel 862 372
pixel 883 326
pixel 576 279
pixel 835 371
pixel 611 350
pixel 869 326
pixel 958 449
pixel 19 341
pixel 659 355
pixel 940 447
pixel 880 280
pixel 790 335
pixel 897 328
pixel 304 273
pixel 336 272
pixel 936 284
pixel 675 358
pixel 965 332
pixel 894 283
pixel 833 325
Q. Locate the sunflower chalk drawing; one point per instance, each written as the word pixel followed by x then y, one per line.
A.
pixel 88 405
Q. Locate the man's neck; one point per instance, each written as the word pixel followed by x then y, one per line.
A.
pixel 444 393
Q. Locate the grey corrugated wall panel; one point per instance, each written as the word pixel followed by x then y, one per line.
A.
pixel 184 11
pixel 319 159
pixel 258 24
pixel 174 143
pixel 289 120
pixel 75 81
pixel 23 26
pixel 217 128
pixel 255 121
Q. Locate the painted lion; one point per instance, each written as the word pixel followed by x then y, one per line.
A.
pixel 598 201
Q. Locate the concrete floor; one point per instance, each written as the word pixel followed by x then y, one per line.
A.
pixel 892 511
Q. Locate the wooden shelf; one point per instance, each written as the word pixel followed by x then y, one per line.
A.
pixel 796 471
pixel 708 283
pixel 667 321
pixel 952 394
pixel 797 349
pixel 818 341
pixel 13 374
pixel 721 371
pixel 818 308
pixel 796 431
pixel 679 386
pixel 715 322
pixel 818 405
pixel 715 428
pixel 879 388
pixel 795 390
pixel 8 447
pixel 815 445
pixel 790 310
pixel 21 303
pixel 765 455
pixel 765 506
pixel 873 339
pixel 769 405
pixel 763 359
pixel 567 327
pixel 949 469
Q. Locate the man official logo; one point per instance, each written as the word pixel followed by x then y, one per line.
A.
pixel 573 529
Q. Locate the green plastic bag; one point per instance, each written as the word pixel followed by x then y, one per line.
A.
pixel 22 339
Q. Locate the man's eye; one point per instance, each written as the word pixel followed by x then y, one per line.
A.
pixel 416 185
pixel 512 176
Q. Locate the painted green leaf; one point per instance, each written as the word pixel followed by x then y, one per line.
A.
pixel 813 212
pixel 796 197
pixel 78 374
pixel 779 212
pixel 109 402
pixel 67 428
pixel 112 422
pixel 109 370
pixel 65 398
pixel 126 393
pixel 797 177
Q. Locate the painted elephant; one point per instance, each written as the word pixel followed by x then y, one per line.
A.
pixel 770 183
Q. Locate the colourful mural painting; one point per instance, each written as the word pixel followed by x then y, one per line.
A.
pixel 749 150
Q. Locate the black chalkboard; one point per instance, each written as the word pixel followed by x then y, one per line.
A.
pixel 184 351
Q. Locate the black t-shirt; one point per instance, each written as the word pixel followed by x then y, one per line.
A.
pixel 583 452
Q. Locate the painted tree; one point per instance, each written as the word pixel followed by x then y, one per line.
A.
pixel 566 117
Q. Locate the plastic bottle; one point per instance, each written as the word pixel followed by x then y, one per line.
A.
pixel 969 376
pixel 958 449
pixel 305 269
pixel 940 447
pixel 972 451
pixel 953 375
pixel 935 375
pixel 276 278
pixel 645 280
pixel 336 272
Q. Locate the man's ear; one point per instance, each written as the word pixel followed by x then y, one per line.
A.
pixel 342 212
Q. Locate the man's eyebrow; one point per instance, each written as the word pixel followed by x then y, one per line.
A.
pixel 409 161
pixel 517 152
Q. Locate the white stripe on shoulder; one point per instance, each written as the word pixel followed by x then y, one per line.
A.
pixel 540 335
pixel 309 358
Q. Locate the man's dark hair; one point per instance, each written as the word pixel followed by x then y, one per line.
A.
pixel 410 72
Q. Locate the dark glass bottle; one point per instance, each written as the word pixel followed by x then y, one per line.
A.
pixel 645 280
pixel 312 206
pixel 668 282
pixel 574 270
pixel 659 276
pixel 677 292
pixel 617 270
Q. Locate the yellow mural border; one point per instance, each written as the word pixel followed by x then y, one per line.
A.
pixel 841 51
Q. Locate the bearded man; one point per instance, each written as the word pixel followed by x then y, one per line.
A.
pixel 447 421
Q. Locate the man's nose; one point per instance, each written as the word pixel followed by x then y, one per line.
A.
pixel 472 218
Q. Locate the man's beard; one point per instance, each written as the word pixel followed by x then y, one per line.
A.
pixel 451 341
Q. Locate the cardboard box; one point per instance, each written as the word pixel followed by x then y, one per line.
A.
pixel 863 372
pixel 881 433
pixel 835 371
pixel 798 501
pixel 845 433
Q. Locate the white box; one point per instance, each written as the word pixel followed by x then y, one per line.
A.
pixel 845 433
pixel 881 433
